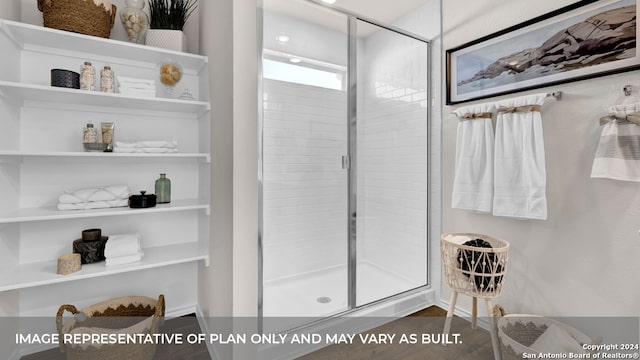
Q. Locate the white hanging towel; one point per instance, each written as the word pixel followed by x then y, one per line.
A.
pixel 618 154
pixel 520 176
pixel 473 181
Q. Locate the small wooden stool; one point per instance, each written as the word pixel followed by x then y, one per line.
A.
pixel 474 271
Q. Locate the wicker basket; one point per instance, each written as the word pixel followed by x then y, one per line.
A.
pixel 474 271
pixel 128 315
pixel 516 332
pixel 80 16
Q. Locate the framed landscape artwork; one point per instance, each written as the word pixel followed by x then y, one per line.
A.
pixel 580 41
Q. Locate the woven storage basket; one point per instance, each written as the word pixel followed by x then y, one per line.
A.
pixel 129 315
pixel 474 271
pixel 516 332
pixel 80 16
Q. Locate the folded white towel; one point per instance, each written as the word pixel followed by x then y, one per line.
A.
pixel 144 150
pixel 618 154
pixel 134 85
pixel 148 144
pixel 473 181
pixel 94 205
pixel 519 163
pixel 138 93
pixel 122 245
pixel 126 79
pixel 107 193
pixel 123 90
pixel 124 259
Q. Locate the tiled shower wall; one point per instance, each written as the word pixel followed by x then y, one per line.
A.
pixel 304 185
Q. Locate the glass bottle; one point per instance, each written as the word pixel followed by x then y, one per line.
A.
pixel 90 134
pixel 107 80
pixel 135 21
pixel 163 189
pixel 87 76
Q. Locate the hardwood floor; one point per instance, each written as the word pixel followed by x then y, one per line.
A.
pixel 475 344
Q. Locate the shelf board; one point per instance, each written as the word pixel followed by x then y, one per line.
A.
pixel 67 96
pixel 52 213
pixel 102 155
pixel 44 273
pixel 27 34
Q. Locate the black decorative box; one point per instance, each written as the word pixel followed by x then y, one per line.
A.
pixel 142 201
pixel 65 78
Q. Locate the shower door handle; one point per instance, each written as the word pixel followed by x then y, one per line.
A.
pixel 346 162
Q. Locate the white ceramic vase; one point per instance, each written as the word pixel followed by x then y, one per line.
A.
pixel 167 39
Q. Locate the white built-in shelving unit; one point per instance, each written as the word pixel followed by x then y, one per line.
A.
pixel 41 155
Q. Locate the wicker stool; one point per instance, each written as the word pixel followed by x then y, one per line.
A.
pixel 474 271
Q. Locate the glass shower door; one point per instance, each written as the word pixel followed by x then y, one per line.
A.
pixel 392 163
pixel 304 182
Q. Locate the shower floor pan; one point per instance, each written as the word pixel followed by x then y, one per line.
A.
pixel 324 292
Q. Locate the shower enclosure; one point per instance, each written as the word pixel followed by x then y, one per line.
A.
pixel 343 163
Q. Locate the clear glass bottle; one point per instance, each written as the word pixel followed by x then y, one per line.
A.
pixel 135 21
pixel 87 76
pixel 107 83
pixel 163 189
pixel 90 134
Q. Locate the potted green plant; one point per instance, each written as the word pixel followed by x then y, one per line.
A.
pixel 166 22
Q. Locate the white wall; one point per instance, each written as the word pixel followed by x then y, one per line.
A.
pixel 229 287
pixel 581 261
pixel 245 159
pixel 10 10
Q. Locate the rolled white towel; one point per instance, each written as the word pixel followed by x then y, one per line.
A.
pixel 122 245
pixel 90 205
pixel 121 260
pixel 107 193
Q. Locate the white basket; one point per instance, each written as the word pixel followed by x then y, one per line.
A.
pixel 474 271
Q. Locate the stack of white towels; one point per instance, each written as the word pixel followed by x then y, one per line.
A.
pixel 123 249
pixel 95 198
pixel 136 87
pixel 150 146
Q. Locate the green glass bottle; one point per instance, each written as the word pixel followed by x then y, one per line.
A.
pixel 163 189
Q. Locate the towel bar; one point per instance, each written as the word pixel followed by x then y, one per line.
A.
pixel 555 94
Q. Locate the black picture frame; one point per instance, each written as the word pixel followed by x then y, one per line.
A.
pixel 579 45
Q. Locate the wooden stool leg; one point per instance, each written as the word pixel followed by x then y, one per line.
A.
pixel 452 306
pixel 493 330
pixel 474 313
